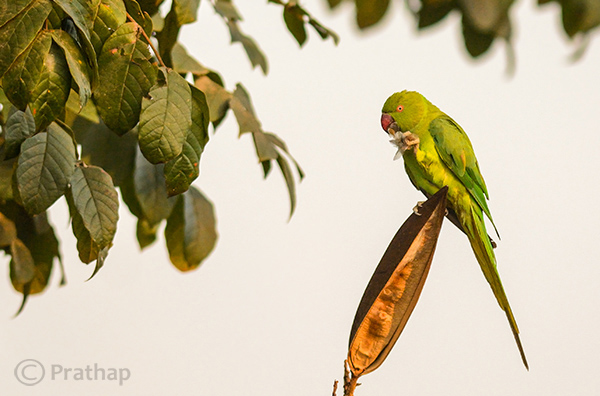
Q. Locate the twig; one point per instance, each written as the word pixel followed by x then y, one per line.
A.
pixel 335 382
pixel 350 381
pixel 147 40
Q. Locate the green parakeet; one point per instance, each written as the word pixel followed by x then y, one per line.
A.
pixel 437 153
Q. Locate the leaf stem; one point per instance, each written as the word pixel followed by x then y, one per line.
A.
pixel 147 40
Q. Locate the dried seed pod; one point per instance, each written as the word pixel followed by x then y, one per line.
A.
pixel 394 288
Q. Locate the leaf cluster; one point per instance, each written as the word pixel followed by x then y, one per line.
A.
pixel 99 99
pixel 483 21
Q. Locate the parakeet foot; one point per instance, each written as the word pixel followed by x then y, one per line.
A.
pixel 404 141
pixel 418 206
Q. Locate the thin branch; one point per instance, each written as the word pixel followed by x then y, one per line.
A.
pixel 350 381
pixel 147 40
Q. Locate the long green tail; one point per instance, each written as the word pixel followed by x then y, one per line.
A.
pixel 480 242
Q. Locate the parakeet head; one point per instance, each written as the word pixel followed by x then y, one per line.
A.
pixel 403 111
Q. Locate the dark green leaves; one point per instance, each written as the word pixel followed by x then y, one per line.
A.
pixel 44 168
pixel 369 12
pixel 97 202
pixel 19 126
pixel 579 17
pixel 57 54
pixel 50 94
pixel 19 32
pixel 165 118
pixel 94 205
pixel 151 191
pixel 268 146
pixel 227 10
pixel 182 170
pixel 181 13
pixel 111 14
pixel 33 248
pixel 77 63
pixel 190 233
pixel 294 20
pixel 433 11
pixel 23 75
pixel 125 77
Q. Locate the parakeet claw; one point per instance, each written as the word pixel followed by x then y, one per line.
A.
pixel 418 206
pixel 404 141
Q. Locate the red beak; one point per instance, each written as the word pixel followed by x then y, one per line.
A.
pixel 386 121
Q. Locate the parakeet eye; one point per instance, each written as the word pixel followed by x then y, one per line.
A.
pixel 399 108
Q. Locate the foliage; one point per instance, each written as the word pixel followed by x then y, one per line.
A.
pixel 483 21
pixel 90 104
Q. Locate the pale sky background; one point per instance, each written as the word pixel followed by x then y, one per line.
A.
pixel 270 311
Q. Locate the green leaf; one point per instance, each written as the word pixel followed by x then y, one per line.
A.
pixel 10 9
pixel 19 32
pixel 38 236
pixel 101 147
pixel 256 56
pixel 294 20
pixel 19 126
pixel 151 191
pixel 44 168
pixel 7 179
pixel 145 233
pixel 150 6
pixel 181 171
pixel 226 9
pixel 111 14
pixel 96 200
pixel 580 16
pixel 82 12
pixel 433 11
pixel 244 112
pixel 125 77
pixel 23 75
pixel 217 98
pixel 323 31
pixel 485 16
pixel 190 233
pixel 86 247
pixel 289 181
pixel 184 63
pixel 141 17
pixel 369 12
pixel 186 10
pixel 165 118
pixel 22 266
pixel 77 64
pixel 167 37
pixel 265 150
pixel 8 231
pixel 73 111
pixel 49 96
pixel 476 42
pixel 265 144
pixel 281 144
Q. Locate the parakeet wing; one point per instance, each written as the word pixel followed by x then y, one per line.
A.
pixel 455 149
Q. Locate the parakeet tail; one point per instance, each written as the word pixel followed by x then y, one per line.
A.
pixel 484 252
